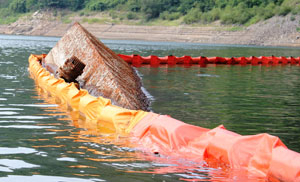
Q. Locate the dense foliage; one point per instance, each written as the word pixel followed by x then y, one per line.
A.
pixel 191 11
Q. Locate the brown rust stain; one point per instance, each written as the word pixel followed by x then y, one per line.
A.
pixel 105 73
pixel 72 68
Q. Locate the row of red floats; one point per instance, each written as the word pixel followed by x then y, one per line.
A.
pixel 152 60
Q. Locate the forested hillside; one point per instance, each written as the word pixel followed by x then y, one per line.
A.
pixel 186 11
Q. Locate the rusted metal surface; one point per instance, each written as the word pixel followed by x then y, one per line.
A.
pixel 72 68
pixel 105 73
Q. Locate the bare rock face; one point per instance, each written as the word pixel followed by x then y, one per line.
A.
pixel 105 73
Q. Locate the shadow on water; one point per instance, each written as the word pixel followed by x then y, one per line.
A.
pixel 43 141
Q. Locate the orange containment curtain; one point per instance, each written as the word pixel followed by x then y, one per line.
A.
pixel 137 60
pixel 261 155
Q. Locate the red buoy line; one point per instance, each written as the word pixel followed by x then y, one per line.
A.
pixel 153 60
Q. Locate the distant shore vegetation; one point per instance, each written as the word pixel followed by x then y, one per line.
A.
pixel 239 12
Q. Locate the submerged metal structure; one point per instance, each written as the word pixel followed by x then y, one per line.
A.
pixel 105 73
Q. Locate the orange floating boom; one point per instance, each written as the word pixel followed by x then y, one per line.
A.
pixel 137 60
pixel 262 155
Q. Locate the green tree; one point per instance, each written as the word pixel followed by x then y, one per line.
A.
pixel 18 6
pixel 4 3
pixel 75 4
pixel 153 8
pixel 134 5
pixel 228 11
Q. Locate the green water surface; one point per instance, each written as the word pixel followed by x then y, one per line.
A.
pixel 39 142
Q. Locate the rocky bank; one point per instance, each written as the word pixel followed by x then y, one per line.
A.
pixel 276 31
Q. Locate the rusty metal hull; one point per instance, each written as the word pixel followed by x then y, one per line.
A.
pixel 105 73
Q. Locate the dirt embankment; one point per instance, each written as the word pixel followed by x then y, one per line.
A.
pixel 277 31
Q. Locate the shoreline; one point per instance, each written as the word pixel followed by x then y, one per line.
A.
pixel 276 31
pixel 177 42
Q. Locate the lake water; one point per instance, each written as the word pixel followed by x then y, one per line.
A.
pixel 40 142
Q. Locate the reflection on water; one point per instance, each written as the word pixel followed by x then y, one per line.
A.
pixel 246 99
pixel 15 164
pixel 11 178
pixel 18 150
pixel 42 140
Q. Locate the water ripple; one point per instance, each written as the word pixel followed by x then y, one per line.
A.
pixel 34 105
pixel 8 62
pixel 8 113
pixel 24 117
pixel 9 77
pixel 68 159
pixel 10 109
pixel 27 127
pixel 18 150
pixel 16 164
pixel 16 121
pixel 11 178
pixel 207 75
